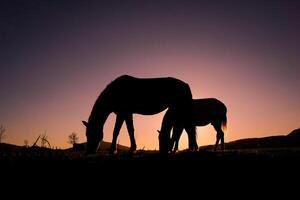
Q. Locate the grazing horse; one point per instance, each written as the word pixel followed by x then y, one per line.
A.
pixel 205 111
pixel 127 95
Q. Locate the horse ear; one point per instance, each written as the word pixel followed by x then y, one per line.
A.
pixel 85 123
pixel 159 131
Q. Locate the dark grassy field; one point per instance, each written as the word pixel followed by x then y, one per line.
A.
pixel 243 159
pixel 205 157
pixel 191 173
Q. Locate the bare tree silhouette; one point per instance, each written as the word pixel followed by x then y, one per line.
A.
pixel 44 141
pixel 34 144
pixel 2 133
pixel 73 138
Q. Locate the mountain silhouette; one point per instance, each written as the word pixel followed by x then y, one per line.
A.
pixel 295 133
pixel 281 141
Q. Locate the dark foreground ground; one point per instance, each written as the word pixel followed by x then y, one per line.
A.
pixel 204 159
pixel 248 171
pixel 254 168
pixel 256 154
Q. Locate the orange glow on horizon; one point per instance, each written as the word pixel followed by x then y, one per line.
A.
pixel 243 121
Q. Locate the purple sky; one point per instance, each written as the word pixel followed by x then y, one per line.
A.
pixel 57 56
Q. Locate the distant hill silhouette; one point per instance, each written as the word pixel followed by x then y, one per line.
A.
pixel 8 147
pixel 5 147
pixel 282 141
pixel 295 133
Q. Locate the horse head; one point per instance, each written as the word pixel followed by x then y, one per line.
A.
pixel 93 137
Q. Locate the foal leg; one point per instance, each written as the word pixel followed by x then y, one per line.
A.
pixel 118 125
pixel 220 135
pixel 130 128
pixel 191 131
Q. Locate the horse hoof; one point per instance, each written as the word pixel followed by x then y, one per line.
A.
pixel 164 152
pixel 113 151
pixel 132 152
pixel 174 151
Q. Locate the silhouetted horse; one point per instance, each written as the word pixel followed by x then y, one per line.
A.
pixel 127 95
pixel 205 111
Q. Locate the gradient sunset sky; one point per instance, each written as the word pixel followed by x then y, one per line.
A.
pixel 57 56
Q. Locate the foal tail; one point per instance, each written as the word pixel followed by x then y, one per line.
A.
pixel 224 123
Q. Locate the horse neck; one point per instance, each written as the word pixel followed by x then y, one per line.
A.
pixel 99 114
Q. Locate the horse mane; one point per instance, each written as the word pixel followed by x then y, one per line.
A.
pixel 105 95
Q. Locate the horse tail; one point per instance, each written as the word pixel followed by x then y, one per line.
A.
pixel 224 123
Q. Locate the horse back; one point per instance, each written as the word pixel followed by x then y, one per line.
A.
pixel 152 94
pixel 207 110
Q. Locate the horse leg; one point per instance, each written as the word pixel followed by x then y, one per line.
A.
pixel 118 125
pixel 177 131
pixel 191 131
pixel 220 135
pixel 130 128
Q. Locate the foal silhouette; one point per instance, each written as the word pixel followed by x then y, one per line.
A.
pixel 148 96
pixel 205 111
